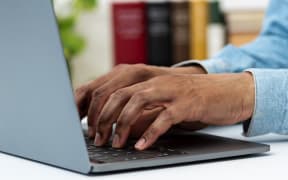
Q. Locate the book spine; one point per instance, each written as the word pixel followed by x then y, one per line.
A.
pixel 216 34
pixel 199 22
pixel 129 33
pixel 159 33
pixel 180 30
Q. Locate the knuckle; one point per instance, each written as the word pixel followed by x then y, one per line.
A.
pixel 119 94
pixel 140 68
pixel 140 65
pixel 141 71
pixel 139 97
pixel 122 124
pixel 82 90
pixel 126 113
pixel 169 115
pixel 102 125
pixel 138 71
pixel 98 93
pixel 153 131
pixel 121 67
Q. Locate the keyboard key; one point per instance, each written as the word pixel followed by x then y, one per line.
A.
pixel 109 155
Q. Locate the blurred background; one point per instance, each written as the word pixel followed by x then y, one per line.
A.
pixel 98 34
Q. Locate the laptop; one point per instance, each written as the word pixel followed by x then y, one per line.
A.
pixel 38 116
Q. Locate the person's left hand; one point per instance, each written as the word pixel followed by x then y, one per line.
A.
pixel 91 97
pixel 209 99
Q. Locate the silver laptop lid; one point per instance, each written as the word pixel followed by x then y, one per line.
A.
pixel 38 116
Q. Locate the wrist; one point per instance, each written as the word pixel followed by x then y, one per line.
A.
pixel 248 95
pixel 195 69
pixel 157 71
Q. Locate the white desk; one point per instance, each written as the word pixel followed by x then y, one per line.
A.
pixel 274 165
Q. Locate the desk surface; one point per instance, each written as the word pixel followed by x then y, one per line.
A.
pixel 271 165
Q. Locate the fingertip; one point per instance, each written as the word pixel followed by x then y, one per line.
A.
pixel 97 140
pixel 116 141
pixel 140 145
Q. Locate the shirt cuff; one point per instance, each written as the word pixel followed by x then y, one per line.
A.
pixel 270 103
pixel 229 60
pixel 207 65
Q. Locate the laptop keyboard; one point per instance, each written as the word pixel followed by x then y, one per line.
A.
pixel 107 154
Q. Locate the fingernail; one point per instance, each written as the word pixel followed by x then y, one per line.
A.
pixel 140 143
pixel 116 141
pixel 97 139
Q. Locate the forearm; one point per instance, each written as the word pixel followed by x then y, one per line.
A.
pixel 196 69
pixel 270 102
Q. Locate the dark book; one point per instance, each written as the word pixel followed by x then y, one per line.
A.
pixel 180 30
pixel 159 33
pixel 129 31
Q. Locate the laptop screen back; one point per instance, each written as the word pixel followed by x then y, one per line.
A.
pixel 38 116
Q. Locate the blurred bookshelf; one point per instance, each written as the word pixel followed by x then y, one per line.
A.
pixel 134 31
pixel 244 19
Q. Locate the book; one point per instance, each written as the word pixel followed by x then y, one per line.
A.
pixel 171 31
pixel 129 32
pixel 243 5
pixel 159 33
pixel 216 33
pixel 243 26
pixel 242 38
pixel 245 21
pixel 180 30
pixel 198 25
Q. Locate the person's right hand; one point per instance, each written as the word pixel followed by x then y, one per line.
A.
pixel 91 98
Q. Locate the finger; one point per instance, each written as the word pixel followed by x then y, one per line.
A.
pixel 83 94
pixel 111 110
pixel 102 139
pixel 82 99
pixel 132 112
pixel 100 96
pixel 144 121
pixel 160 126
pixel 109 114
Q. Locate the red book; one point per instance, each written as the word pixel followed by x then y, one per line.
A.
pixel 129 32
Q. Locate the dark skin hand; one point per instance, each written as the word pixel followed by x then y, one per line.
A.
pixel 152 100
pixel 91 97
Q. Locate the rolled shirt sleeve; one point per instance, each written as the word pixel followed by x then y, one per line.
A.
pixel 229 60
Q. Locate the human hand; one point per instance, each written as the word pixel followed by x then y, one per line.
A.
pixel 209 99
pixel 91 97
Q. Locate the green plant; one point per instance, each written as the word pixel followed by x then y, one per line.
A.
pixel 73 42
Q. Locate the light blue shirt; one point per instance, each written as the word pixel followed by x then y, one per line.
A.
pixel 267 59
